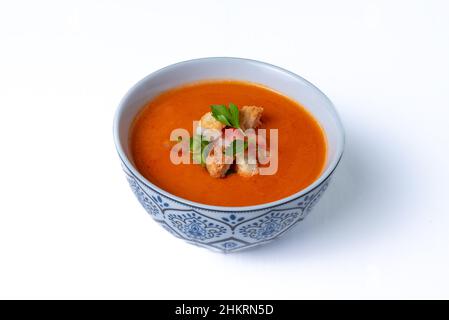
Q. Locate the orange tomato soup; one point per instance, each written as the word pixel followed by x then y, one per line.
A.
pixel 301 144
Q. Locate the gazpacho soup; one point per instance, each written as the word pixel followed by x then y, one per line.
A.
pixel 227 143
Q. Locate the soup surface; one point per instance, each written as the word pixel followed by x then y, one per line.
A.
pixel 301 144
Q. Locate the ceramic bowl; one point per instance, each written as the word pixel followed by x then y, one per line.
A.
pixel 227 229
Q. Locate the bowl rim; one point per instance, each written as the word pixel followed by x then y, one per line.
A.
pixel 235 209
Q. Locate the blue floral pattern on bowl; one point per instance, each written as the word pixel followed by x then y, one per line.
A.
pixel 220 230
pixel 160 202
pixel 269 225
pixel 233 219
pixel 149 205
pixel 195 226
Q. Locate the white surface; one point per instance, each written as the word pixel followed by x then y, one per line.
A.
pixel 69 225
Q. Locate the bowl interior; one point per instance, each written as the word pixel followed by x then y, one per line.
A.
pixel 271 76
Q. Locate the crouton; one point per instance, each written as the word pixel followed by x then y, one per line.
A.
pixel 250 117
pixel 217 164
pixel 216 168
pixel 209 122
pixel 246 165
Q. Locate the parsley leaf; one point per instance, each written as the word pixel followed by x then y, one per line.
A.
pixel 236 147
pixel 234 115
pixel 199 149
pixel 229 117
pixel 220 111
pixel 223 120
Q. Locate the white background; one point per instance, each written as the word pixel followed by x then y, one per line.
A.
pixel 70 226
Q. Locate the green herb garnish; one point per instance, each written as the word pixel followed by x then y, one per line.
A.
pixel 229 117
pixel 236 147
pixel 199 148
pixel 235 115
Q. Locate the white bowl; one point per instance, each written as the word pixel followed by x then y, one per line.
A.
pixel 219 228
